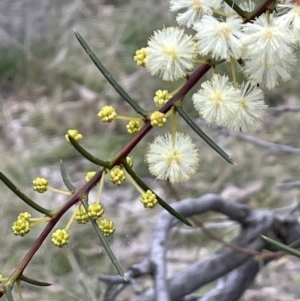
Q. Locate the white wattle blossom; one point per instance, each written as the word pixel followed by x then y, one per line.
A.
pixel 250 111
pixel 221 39
pixel 290 19
pixel 195 9
pixel 269 74
pixel 171 53
pixel 266 39
pixel 173 158
pixel 269 57
pixel 247 6
pixel 217 100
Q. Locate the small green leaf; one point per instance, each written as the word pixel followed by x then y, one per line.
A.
pixel 65 177
pixel 8 293
pixel 282 246
pixel 161 202
pixel 86 154
pixel 23 197
pixel 34 282
pixel 104 243
pixel 197 130
pixel 109 77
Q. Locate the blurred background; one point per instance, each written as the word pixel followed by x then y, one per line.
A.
pixel 48 85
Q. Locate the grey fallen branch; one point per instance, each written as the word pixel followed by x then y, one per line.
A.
pixel 260 142
pixel 288 185
pixel 256 141
pixel 284 110
pixel 253 224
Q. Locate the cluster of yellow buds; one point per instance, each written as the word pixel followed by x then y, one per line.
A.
pixel 107 114
pixel 158 119
pixel 40 185
pixel 22 225
pixel 161 97
pixel 95 211
pixel 60 238
pixel 141 57
pixel 134 126
pixel 117 176
pixel 149 199
pixel 129 161
pixel 106 226
pixel 25 222
pixel 2 278
pixel 81 215
pixel 75 134
pixel 89 175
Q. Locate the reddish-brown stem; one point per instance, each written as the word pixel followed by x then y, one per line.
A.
pixel 74 198
pixel 217 238
pixel 190 83
pixel 260 11
pixel 119 156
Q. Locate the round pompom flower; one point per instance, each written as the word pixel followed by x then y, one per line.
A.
pixel 40 184
pixel 221 39
pixel 73 133
pixel 148 198
pixel 195 9
pixel 21 227
pixel 171 53
pixel 117 176
pixel 267 39
pixel 95 210
pixel 106 226
pixel 290 18
pixel 173 158
pixel 60 238
pixel 107 114
pixel 217 100
pixel 141 57
pixel 81 215
pixel 251 109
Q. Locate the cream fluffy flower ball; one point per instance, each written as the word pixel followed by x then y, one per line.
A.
pixel 173 158
pixel 171 53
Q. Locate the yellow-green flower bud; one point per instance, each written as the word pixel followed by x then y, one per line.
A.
pixel 161 97
pixel 60 238
pixel 117 176
pixel 95 211
pixel 149 199
pixel 81 216
pixel 106 226
pixel 24 215
pixel 134 126
pixel 141 57
pixel 75 134
pixel 89 175
pixel 2 278
pixel 107 114
pixel 40 185
pixel 21 227
pixel 158 119
pixel 129 161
